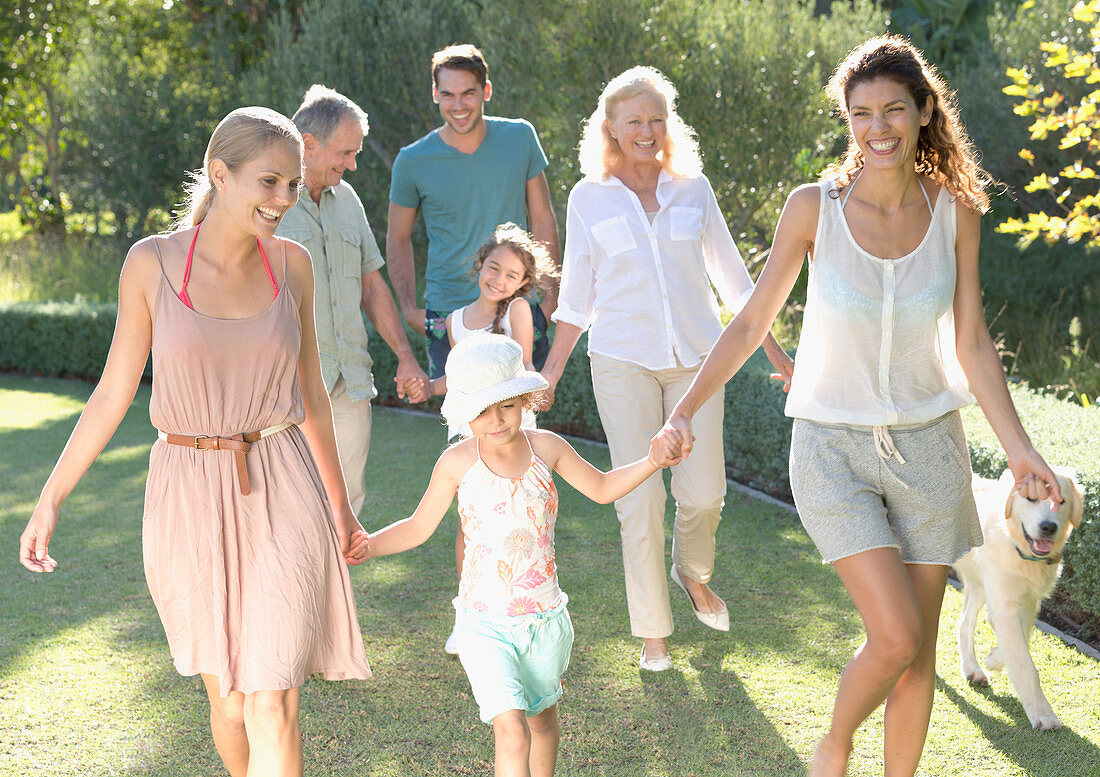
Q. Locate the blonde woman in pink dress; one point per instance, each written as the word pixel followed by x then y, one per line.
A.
pixel 247 525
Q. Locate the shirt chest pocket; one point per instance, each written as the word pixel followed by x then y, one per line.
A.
pixel 297 235
pixel 350 243
pixel 613 235
pixel 685 223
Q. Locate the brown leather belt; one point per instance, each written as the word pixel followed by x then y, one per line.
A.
pixel 238 444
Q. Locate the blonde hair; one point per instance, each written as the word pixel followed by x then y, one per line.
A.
pixel 600 154
pixel 945 152
pixel 534 255
pixel 239 138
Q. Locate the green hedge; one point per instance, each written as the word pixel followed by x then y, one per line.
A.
pixel 72 340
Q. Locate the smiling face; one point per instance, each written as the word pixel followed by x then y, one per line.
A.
pixel 326 163
pixel 502 274
pixel 262 189
pixel 885 122
pixel 500 423
pixel 638 127
pixel 461 99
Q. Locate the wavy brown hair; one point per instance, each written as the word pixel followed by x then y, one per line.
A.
pixel 537 263
pixel 944 150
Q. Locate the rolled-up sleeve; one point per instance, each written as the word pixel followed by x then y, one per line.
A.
pixel 725 268
pixel 577 297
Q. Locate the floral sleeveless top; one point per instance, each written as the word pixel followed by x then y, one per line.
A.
pixel 509 566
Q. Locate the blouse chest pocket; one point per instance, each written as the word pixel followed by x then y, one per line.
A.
pixel 350 252
pixel 685 223
pixel 614 236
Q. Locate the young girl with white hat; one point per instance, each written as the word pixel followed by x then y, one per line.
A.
pixel 513 629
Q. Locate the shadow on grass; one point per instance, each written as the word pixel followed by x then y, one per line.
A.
pixel 1038 753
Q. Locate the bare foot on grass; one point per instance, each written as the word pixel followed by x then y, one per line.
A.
pixel 830 758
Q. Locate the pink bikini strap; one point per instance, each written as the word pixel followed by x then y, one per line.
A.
pixel 267 266
pixel 184 298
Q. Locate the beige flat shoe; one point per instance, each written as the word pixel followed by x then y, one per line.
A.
pixel 719 620
pixel 655 664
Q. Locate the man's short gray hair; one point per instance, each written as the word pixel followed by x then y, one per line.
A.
pixel 323 109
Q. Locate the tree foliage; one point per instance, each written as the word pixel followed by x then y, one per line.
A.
pixel 1064 107
pixel 749 74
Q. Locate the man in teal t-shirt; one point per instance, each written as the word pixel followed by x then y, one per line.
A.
pixel 466 177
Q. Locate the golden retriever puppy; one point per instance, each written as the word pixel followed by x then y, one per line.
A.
pixel 1011 574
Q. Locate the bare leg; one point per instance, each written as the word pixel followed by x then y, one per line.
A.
pixel 883 593
pixel 271 719
pixel 512 739
pixel 227 726
pixel 909 706
pixel 545 736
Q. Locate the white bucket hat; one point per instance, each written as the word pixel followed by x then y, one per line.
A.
pixel 484 369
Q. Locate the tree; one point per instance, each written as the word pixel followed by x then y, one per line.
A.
pixel 1064 109
pixel 41 37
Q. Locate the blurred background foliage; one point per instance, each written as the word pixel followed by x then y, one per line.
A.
pixel 105 104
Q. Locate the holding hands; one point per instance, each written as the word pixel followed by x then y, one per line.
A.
pixel 412 382
pixel 673 443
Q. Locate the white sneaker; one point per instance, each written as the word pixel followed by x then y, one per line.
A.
pixel 451 645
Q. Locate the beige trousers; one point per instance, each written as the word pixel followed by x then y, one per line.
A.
pixel 352 421
pixel 633 403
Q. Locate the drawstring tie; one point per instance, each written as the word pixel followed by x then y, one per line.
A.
pixel 884 446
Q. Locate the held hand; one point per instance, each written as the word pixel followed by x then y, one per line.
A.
pixel 541 401
pixel 1034 479
pixel 677 431
pixel 544 400
pixel 411 381
pixel 359 550
pixel 34 543
pixel 353 540
pixel 784 371
pixel 665 448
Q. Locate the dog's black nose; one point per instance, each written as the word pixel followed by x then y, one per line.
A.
pixel 1048 528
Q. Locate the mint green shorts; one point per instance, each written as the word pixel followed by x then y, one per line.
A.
pixel 515 662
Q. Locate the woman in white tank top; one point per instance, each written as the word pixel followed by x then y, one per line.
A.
pixel 893 342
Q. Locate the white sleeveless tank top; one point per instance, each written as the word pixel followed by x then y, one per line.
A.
pixel 460 332
pixel 878 335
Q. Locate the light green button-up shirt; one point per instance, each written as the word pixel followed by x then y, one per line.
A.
pixel 339 239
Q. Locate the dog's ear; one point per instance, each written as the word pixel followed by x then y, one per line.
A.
pixel 1007 482
pixel 1073 493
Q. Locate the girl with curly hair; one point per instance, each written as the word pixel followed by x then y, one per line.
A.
pixel 893 343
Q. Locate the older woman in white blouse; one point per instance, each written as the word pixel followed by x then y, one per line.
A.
pixel 645 240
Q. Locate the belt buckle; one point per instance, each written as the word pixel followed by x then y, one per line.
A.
pixel 200 437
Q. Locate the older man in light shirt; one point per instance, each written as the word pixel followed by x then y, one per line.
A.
pixel 331 223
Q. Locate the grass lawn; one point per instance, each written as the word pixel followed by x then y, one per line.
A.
pixel 87 686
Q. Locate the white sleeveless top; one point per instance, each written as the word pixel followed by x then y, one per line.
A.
pixel 878 335
pixel 509 566
pixel 459 332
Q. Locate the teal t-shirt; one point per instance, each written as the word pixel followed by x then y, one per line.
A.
pixel 463 198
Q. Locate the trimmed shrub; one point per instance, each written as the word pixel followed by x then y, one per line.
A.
pixel 69 339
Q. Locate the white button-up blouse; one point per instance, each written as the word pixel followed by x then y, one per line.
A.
pixel 642 289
